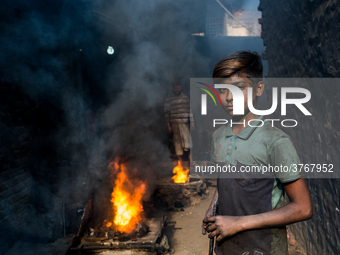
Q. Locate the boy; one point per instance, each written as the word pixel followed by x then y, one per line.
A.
pixel 252 217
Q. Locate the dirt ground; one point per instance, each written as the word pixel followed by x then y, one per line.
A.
pixel 183 231
pixel 185 236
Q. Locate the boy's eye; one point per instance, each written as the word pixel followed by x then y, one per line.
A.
pixel 223 90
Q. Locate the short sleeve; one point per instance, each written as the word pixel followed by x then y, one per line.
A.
pixel 283 157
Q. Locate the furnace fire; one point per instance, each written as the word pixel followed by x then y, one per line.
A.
pixel 181 175
pixel 126 199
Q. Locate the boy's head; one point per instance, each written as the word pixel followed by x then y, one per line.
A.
pixel 240 63
pixel 238 69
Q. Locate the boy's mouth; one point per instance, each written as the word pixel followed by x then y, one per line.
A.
pixel 229 107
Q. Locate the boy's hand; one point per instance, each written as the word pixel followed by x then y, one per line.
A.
pixel 223 226
pixel 208 214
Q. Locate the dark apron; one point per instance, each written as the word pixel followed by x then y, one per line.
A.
pixel 240 197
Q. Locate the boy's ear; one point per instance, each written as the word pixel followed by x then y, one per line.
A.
pixel 259 89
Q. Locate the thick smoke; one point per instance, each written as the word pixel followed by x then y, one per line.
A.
pixel 91 107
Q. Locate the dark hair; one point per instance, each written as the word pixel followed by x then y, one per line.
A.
pixel 240 62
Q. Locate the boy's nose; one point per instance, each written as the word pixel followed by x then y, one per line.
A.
pixel 229 95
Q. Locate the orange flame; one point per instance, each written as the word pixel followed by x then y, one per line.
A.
pixel 126 199
pixel 180 175
pixel 108 224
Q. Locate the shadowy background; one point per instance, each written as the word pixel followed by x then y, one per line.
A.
pixel 67 107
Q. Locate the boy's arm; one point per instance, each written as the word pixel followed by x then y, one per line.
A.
pixel 299 209
pixel 167 114
pixel 191 116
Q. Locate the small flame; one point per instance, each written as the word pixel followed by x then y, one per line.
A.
pixel 180 175
pixel 126 199
pixel 108 224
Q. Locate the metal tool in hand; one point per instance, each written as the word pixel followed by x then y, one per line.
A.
pixel 211 243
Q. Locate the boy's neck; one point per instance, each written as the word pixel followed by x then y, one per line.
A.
pixel 237 128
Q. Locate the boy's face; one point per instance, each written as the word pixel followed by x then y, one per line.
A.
pixel 243 83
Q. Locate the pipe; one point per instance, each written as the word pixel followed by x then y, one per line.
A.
pixel 227 11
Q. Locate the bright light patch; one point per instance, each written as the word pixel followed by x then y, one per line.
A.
pixel 110 50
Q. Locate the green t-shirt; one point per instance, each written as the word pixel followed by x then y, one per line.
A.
pixel 258 147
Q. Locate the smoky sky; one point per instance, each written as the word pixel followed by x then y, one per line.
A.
pixel 55 52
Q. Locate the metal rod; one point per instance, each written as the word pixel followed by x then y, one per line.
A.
pixel 211 243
